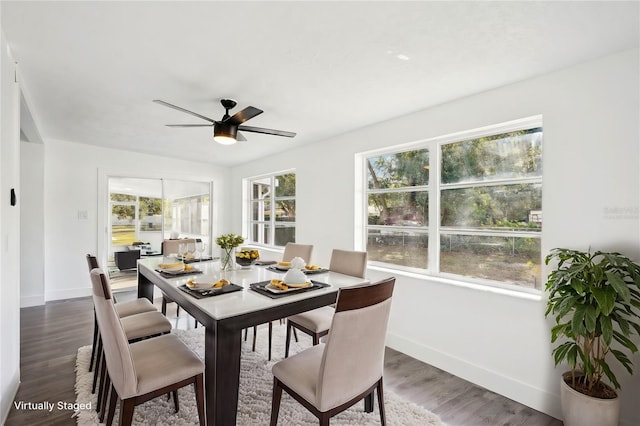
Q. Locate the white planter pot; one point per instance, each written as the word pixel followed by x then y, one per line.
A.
pixel 579 409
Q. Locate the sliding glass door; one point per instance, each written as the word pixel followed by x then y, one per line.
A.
pixel 187 210
pixel 143 212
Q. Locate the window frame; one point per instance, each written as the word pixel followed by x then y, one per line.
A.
pixel 272 222
pixel 434 189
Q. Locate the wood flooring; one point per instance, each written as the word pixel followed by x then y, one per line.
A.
pixel 51 335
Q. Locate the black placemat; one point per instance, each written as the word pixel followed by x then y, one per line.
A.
pixel 178 274
pixel 204 259
pixel 229 288
pixel 259 288
pixel 305 271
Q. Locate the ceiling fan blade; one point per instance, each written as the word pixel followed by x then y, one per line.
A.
pixel 240 137
pixel 244 115
pixel 266 131
pixel 189 125
pixel 167 104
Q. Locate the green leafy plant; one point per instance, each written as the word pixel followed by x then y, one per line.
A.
pixel 594 298
pixel 228 242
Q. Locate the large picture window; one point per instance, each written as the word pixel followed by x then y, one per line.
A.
pixel 272 209
pixel 460 206
pixel 398 207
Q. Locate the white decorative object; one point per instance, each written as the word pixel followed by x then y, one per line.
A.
pixel 298 263
pixel 294 276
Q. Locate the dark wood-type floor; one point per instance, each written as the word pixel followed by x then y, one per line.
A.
pixel 51 335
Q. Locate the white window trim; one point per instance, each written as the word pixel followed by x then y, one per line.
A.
pixel 247 220
pixel 434 190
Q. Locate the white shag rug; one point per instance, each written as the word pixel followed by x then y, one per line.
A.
pixel 256 382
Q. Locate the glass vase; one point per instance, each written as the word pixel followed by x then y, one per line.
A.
pixel 228 259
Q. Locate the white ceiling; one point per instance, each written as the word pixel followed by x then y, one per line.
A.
pixel 91 69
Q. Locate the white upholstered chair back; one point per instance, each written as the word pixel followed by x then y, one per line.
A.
pixel 114 340
pixel 173 246
pixel 292 250
pixel 347 262
pixel 353 356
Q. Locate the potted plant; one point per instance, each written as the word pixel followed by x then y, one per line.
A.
pixel 595 301
pixel 228 243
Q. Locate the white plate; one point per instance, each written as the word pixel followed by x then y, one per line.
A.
pixel 276 290
pixel 179 268
pixel 187 258
pixel 282 268
pixel 202 282
pixel 201 290
pixel 303 285
pixel 317 269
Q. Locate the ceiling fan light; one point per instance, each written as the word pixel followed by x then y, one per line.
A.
pixel 224 140
pixel 225 134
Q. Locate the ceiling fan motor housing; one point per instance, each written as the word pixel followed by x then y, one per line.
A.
pixel 222 129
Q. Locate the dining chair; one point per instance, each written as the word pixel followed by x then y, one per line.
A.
pixel 330 377
pixel 146 369
pixel 291 250
pixel 124 309
pixel 137 326
pixel 316 322
pixel 168 247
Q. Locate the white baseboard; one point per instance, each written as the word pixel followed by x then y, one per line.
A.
pixel 7 400
pixel 28 301
pixel 538 399
pixel 67 294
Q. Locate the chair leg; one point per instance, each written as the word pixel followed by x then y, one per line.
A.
pixel 199 385
pixel 368 403
pixel 164 306
pixel 287 339
pixel 275 401
pixel 105 393
pixel 103 379
pixel 383 415
pixel 176 404
pixel 270 338
pixel 324 419
pixel 177 310
pixel 246 332
pixel 113 399
pixel 295 335
pixel 126 412
pixel 95 340
pixel 255 332
pixel 97 366
pixel 315 338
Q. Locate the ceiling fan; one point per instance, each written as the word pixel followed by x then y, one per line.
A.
pixel 225 131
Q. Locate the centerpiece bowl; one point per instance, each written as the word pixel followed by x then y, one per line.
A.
pixel 247 257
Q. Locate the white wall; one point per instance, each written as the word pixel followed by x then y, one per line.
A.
pixel 9 231
pixel 31 224
pixel 591 151
pixel 73 173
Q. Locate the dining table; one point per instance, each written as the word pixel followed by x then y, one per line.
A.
pixel 225 315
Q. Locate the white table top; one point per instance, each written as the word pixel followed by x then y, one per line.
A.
pixel 245 301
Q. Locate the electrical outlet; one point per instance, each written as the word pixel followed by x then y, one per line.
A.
pixel 83 215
